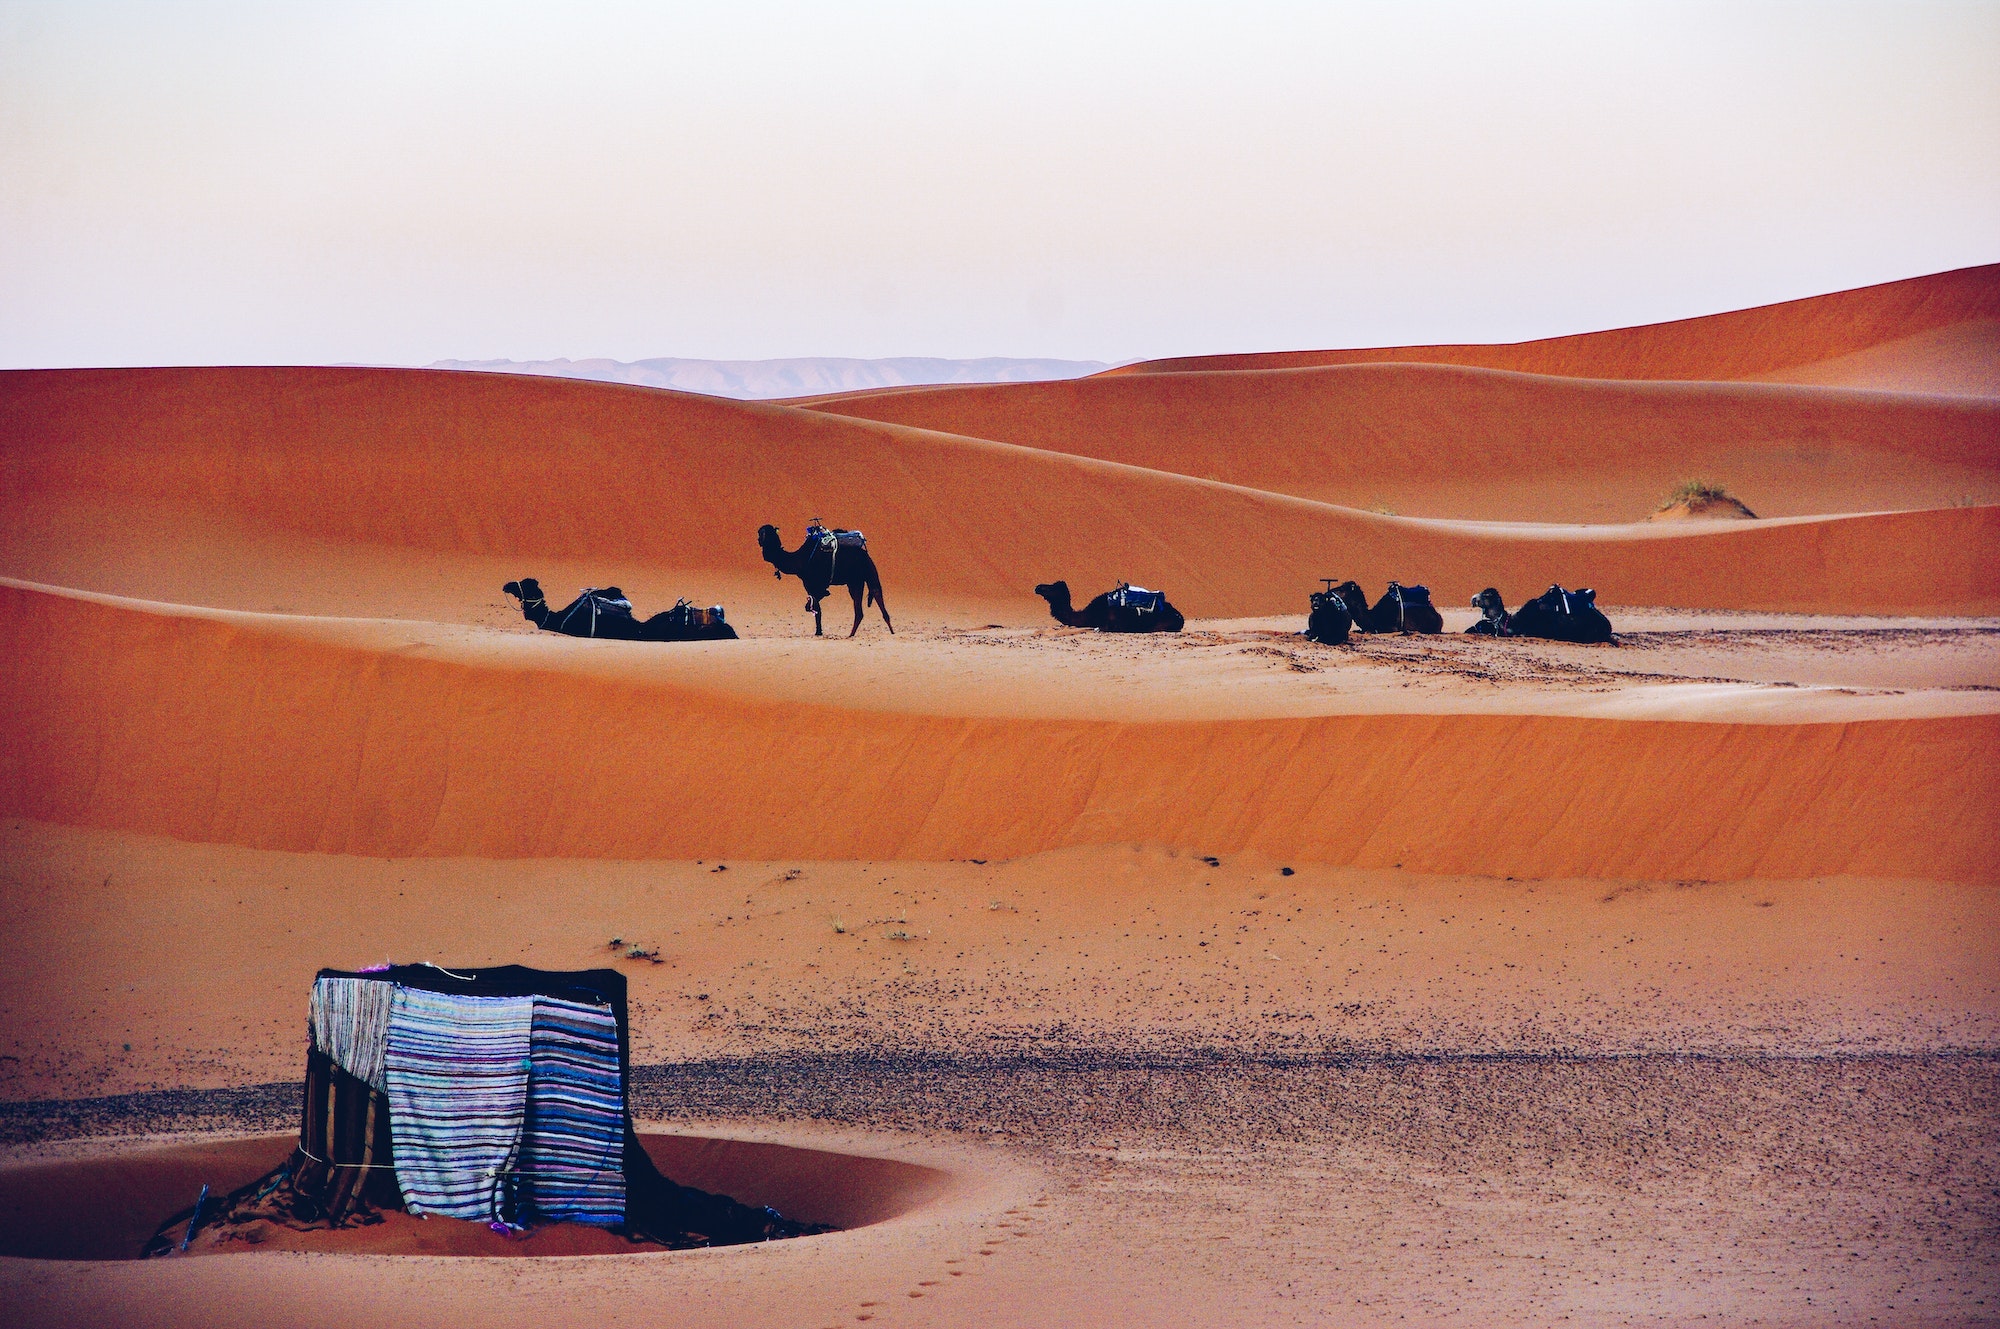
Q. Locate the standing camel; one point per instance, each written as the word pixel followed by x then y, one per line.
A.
pixel 822 563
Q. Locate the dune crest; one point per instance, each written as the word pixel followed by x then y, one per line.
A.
pixel 1767 340
pixel 1452 441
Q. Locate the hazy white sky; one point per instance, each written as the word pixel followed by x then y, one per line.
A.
pixel 191 182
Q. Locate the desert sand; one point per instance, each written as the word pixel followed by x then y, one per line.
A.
pixel 1215 978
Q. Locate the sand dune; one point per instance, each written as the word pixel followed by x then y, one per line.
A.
pixel 1768 340
pixel 1960 359
pixel 527 468
pixel 170 723
pixel 1446 441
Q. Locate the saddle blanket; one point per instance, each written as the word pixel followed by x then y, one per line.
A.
pixel 1139 599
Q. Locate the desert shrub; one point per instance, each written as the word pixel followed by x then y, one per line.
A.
pixel 1694 492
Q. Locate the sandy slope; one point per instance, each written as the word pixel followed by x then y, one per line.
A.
pixel 1448 441
pixel 1961 359
pixel 1117 946
pixel 1770 340
pixel 417 742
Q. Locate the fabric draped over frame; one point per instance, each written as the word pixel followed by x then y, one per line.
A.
pixel 457 1074
pixel 350 1024
pixel 502 1099
pixel 573 1148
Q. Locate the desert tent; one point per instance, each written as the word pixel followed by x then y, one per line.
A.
pixel 497 1095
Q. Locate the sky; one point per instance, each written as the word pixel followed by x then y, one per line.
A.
pixel 215 183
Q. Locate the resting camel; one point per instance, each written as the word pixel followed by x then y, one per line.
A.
pixel 1329 621
pixel 1494 620
pixel 1401 608
pixel 1561 615
pixel 607 613
pixel 822 563
pixel 1127 609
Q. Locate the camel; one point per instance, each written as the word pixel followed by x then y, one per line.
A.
pixel 1494 620
pixel 1127 609
pixel 1329 621
pixel 607 613
pixel 824 561
pixel 1401 608
pixel 1560 615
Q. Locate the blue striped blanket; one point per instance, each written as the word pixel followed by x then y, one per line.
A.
pixel 573 1149
pixel 457 1073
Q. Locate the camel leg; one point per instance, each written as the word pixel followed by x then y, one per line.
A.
pixel 875 589
pixel 854 592
pixel 813 605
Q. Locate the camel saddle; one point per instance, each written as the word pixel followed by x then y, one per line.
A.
pixel 686 616
pixel 837 539
pixel 1138 599
pixel 595 605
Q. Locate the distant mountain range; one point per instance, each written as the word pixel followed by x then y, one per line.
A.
pixel 762 379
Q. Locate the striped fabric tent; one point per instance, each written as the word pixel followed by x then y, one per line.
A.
pixel 491 1095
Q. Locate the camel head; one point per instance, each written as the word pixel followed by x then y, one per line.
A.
pixel 526 590
pixel 1490 605
pixel 1353 597
pixel 772 546
pixel 1056 593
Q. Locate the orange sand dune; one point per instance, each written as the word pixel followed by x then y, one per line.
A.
pixel 1447 441
pixel 1961 359
pixel 1763 341
pixel 174 722
pixel 526 468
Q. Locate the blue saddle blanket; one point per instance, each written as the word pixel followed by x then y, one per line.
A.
pixel 1138 599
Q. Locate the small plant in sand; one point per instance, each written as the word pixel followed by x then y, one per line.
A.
pixel 839 926
pixel 636 952
pixel 1694 493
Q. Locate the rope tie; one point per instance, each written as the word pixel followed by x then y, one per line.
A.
pixel 417 1167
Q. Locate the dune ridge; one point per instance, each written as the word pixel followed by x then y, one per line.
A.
pixel 1766 340
pixel 1451 441
pixel 173 722
pixel 490 464
pixel 753 380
